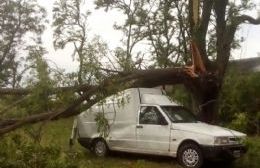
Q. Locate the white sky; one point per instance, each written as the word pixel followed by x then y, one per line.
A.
pixel 101 23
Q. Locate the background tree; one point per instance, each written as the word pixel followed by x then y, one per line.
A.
pixel 126 56
pixel 70 23
pixel 18 18
pixel 154 23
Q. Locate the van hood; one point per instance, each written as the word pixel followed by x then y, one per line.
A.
pixel 207 129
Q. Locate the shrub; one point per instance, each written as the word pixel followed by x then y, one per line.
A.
pixel 240 102
pixel 240 122
pixel 251 159
pixel 17 153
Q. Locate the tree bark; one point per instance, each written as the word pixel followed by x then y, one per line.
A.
pixel 205 93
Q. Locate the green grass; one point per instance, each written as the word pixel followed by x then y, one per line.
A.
pixel 58 133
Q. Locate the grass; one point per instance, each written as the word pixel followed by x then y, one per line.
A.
pixel 58 133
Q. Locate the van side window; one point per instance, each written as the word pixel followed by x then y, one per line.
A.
pixel 151 115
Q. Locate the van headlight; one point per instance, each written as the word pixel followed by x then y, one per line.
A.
pixel 221 140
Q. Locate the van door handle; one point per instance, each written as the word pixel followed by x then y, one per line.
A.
pixel 139 126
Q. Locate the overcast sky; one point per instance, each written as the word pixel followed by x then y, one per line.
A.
pixel 101 23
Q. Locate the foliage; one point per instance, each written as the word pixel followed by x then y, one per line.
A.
pixel 102 124
pixel 17 19
pixel 32 155
pixel 240 122
pixel 41 83
pixel 239 101
pixel 132 33
pixel 160 24
pixel 180 94
pixel 165 27
pixel 70 28
pixel 251 159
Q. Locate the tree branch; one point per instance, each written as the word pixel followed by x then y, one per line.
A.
pixel 202 30
pixel 25 91
pixel 109 86
pixel 222 46
pixel 205 18
pixel 245 18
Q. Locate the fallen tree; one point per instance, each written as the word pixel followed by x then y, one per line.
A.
pixel 26 91
pixel 203 79
pixel 139 78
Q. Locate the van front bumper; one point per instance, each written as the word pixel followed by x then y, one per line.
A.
pixel 223 152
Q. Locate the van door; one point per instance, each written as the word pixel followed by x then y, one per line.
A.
pixel 153 131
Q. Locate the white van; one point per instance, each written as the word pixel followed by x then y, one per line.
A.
pixel 149 122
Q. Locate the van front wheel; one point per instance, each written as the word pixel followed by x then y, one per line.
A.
pixel 100 148
pixel 190 155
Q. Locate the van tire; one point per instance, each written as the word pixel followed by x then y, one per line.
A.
pixel 189 155
pixel 100 148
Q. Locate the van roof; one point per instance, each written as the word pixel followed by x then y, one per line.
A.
pixel 156 99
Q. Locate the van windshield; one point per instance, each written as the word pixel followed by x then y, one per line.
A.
pixel 179 114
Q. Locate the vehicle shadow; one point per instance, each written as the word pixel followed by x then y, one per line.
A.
pixel 164 159
pixel 217 164
pixel 135 156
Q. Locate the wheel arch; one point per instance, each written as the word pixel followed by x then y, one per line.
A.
pixel 185 141
pixel 93 140
pixel 196 146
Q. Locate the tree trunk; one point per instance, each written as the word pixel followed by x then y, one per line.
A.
pixel 208 105
pixel 205 92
